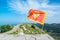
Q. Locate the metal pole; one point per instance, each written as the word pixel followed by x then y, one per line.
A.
pixel 42 27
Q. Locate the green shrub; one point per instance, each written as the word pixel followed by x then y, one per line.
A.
pixel 5 28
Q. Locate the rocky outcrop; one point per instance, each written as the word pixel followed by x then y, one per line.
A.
pixel 25 32
pixel 25 37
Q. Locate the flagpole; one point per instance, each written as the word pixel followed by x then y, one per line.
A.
pixel 43 27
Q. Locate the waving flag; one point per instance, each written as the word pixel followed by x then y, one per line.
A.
pixel 37 16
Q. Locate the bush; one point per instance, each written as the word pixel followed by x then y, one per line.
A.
pixel 5 28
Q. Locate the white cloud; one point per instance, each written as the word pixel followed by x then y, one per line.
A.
pixel 23 7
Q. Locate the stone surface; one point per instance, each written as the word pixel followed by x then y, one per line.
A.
pixel 25 37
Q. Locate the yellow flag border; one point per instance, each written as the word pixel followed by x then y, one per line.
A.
pixel 37 21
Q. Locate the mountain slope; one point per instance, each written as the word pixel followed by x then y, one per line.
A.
pixel 26 29
pixel 31 31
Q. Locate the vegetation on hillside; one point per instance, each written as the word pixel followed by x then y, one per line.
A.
pixel 5 28
pixel 28 29
pixel 51 29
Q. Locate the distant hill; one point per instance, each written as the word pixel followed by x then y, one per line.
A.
pixel 53 28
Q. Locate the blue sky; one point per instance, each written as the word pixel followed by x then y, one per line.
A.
pixel 16 11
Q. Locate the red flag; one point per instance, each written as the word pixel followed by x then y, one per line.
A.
pixel 37 16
